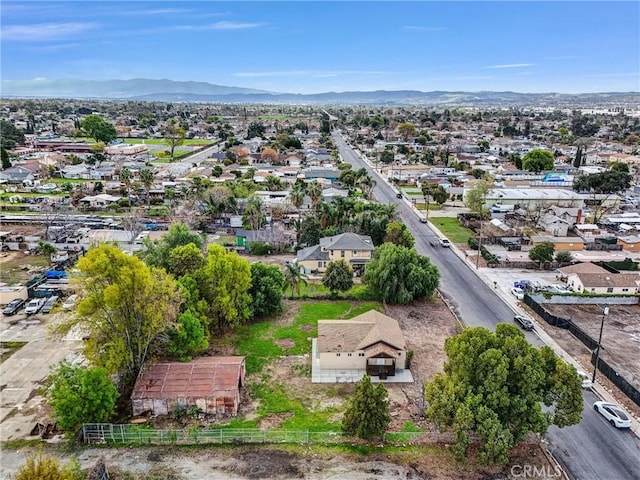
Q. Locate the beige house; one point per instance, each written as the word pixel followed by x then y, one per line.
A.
pixel 611 283
pixel 355 249
pixel 630 243
pixel 560 243
pixel 371 342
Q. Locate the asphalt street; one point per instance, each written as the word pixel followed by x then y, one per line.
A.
pixel 591 450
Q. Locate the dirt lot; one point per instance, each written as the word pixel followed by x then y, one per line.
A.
pixel 620 340
pixel 277 463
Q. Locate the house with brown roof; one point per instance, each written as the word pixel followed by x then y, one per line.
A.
pixel 604 283
pixel 371 343
pixel 211 384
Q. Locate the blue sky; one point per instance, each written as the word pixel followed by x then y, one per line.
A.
pixel 309 47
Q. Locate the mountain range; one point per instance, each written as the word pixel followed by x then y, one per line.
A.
pixel 178 91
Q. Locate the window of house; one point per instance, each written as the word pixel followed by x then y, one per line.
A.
pixel 332 253
pixel 593 290
pixel 354 253
pixel 337 354
pixel 625 289
pixel 348 354
pixel 342 253
pixel 610 290
pixel 319 264
pixel 361 354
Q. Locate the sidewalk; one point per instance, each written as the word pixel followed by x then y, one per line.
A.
pixel 514 304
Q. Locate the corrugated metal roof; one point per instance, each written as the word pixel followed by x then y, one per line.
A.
pixel 203 377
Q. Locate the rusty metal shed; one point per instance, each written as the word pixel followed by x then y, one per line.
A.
pixel 210 383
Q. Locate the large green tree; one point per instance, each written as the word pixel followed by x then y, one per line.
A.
pixel 174 136
pixel 267 286
pixel 494 385
pixel 158 253
pixel 400 275
pixel 399 234
pixel 543 252
pixel 10 136
pixel 407 130
pixel 367 414
pixel 475 198
pixel 98 128
pixel 538 160
pixel 126 305
pixel 189 337
pixel 602 186
pixel 224 283
pixel 338 277
pixel 81 395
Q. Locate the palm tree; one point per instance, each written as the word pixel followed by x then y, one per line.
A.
pixel 125 177
pixel 328 215
pixel 297 197
pixel 146 178
pixel 294 278
pixel 314 190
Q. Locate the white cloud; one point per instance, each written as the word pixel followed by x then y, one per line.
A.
pixel 220 26
pixel 53 47
pixel 44 31
pixel 417 28
pixel 512 65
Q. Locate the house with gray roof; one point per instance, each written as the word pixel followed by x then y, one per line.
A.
pixel 355 249
pixel 18 175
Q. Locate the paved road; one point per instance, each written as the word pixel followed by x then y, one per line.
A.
pixel 592 450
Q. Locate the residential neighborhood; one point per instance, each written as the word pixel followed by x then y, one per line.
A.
pixel 292 258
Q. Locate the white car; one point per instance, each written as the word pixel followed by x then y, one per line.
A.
pixel 584 378
pixel 70 302
pixel 34 306
pixel 518 293
pixel 613 414
pixel 444 242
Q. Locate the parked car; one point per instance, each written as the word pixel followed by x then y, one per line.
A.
pixel 49 304
pixel 613 414
pixel 444 242
pixel 518 293
pixel 13 306
pixel 524 322
pixel 584 378
pixel 34 306
pixel 70 302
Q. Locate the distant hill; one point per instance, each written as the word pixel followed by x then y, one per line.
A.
pixel 173 91
pixel 114 89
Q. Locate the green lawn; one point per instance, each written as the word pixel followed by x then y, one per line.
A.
pixel 258 343
pixel 452 229
pixel 160 141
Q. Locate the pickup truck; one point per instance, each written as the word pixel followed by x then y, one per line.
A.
pixel 34 306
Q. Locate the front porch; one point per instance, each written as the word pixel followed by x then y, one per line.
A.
pixel 319 375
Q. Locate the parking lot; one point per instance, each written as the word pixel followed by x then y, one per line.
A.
pixel 28 354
